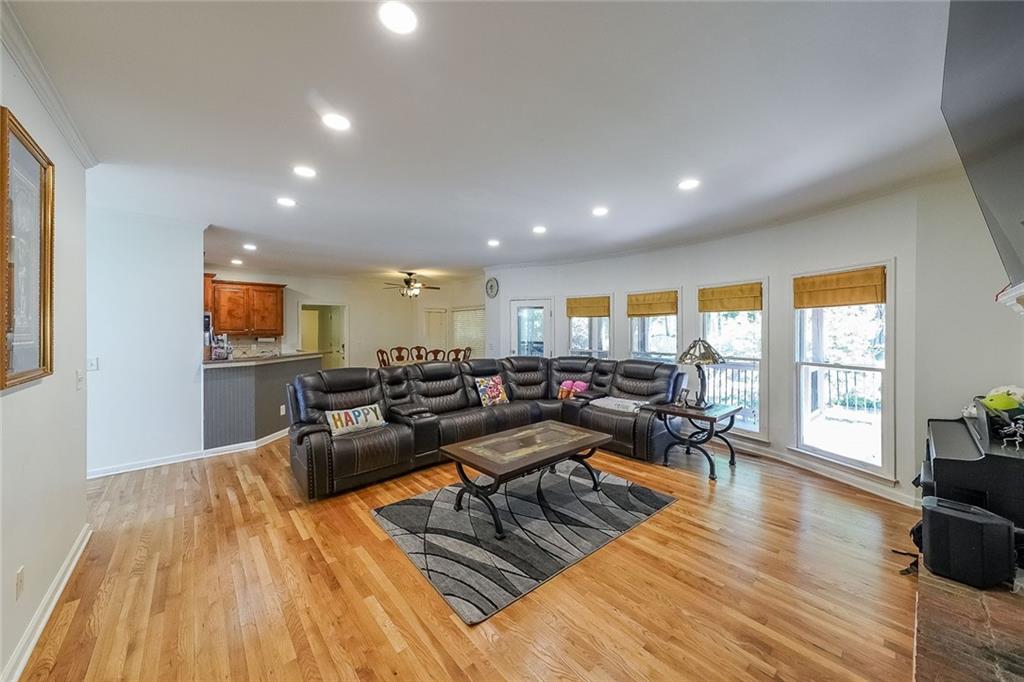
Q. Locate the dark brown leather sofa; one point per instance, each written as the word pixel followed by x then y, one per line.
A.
pixel 432 404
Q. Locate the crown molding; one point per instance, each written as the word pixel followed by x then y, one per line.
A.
pixel 18 44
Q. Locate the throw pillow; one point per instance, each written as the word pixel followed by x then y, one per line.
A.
pixel 354 419
pixel 569 388
pixel 491 390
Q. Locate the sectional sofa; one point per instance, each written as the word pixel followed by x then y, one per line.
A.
pixel 432 404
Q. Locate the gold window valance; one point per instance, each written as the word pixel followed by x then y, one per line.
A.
pixel 852 287
pixel 652 303
pixel 588 306
pixel 732 298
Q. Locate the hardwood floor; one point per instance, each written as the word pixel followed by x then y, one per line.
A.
pixel 215 569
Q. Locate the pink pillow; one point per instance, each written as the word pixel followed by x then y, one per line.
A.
pixel 569 388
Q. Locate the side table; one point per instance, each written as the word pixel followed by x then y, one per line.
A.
pixel 715 422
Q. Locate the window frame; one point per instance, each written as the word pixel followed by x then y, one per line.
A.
pixel 679 321
pixel 764 376
pixel 611 323
pixel 886 470
pixel 462 309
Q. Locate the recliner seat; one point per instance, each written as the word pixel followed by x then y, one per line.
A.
pixel 432 404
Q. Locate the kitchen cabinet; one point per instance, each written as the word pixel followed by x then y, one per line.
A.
pixel 208 292
pixel 249 308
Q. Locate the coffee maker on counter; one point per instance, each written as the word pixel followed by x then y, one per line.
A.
pixel 215 347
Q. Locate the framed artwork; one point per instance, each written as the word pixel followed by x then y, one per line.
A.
pixel 26 254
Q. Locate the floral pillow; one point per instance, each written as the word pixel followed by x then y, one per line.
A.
pixel 491 390
pixel 569 388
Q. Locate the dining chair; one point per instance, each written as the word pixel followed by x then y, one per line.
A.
pixel 382 358
pixel 419 353
pixel 466 353
pixel 455 354
pixel 435 354
pixel 399 354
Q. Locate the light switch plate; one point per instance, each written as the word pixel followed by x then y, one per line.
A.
pixel 92 364
pixel 282 410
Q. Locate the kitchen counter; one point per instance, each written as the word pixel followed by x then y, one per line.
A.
pixel 244 399
pixel 266 360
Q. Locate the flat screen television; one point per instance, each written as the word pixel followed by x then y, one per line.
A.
pixel 983 104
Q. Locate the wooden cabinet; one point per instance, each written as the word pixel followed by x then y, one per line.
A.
pixel 266 310
pixel 208 292
pixel 248 308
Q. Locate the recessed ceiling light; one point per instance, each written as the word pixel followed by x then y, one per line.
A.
pixel 336 121
pixel 397 17
pixel 600 211
pixel 493 242
pixel 539 229
pixel 285 201
pixel 689 183
pixel 236 261
pixel 249 247
pixel 304 172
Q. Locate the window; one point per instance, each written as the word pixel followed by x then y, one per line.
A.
pixel 589 336
pixel 732 322
pixel 589 325
pixel 652 325
pixel 841 366
pixel 653 337
pixel 468 330
pixel 737 336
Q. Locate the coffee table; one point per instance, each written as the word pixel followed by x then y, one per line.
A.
pixel 519 452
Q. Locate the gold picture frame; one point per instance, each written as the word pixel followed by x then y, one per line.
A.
pixel 26 256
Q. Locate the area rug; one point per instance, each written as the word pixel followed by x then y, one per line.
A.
pixel 551 522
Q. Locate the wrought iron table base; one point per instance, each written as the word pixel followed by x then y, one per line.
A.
pixel 697 439
pixel 484 492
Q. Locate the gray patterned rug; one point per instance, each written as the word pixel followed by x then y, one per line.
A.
pixel 551 522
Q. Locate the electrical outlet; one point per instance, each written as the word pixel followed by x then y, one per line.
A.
pixel 19 582
pixel 282 410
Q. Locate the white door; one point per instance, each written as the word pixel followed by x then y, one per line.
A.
pixel 532 327
pixel 437 329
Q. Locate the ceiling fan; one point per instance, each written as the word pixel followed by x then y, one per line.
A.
pixel 410 286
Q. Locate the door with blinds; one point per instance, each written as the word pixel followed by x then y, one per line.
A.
pixel 469 331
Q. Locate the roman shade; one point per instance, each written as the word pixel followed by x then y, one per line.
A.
pixel 852 287
pixel 588 306
pixel 652 303
pixel 728 299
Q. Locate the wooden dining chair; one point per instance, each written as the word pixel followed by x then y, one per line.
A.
pixel 382 358
pixel 399 354
pixel 419 353
pixel 466 353
pixel 455 354
pixel 435 354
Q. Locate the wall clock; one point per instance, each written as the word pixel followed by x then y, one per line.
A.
pixel 491 287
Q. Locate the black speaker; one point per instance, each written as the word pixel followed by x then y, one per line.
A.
pixel 967 544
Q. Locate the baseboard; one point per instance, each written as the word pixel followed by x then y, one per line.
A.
pixel 184 456
pixel 238 447
pixel 822 468
pixel 23 651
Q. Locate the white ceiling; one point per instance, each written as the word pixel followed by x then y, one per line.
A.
pixel 491 118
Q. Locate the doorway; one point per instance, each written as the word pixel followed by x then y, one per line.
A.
pixel 322 329
pixel 437 327
pixel 531 327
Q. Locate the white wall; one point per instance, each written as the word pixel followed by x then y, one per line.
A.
pixel 377 317
pixel 144 291
pixel 454 294
pixel 968 343
pixel 42 440
pixel 937 219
